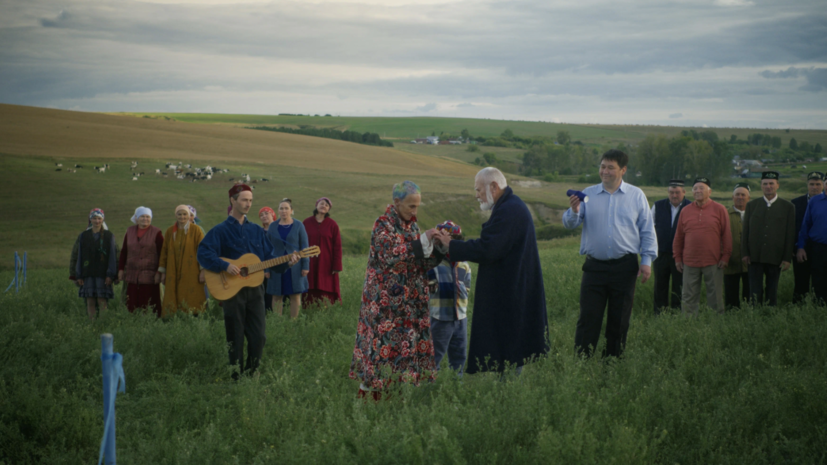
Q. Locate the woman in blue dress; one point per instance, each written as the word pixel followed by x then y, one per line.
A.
pixel 288 236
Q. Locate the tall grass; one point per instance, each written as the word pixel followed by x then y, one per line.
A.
pixel 745 387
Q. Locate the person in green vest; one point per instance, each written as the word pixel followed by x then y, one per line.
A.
pixel 767 240
pixel 736 273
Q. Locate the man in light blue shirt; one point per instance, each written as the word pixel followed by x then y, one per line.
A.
pixel 617 227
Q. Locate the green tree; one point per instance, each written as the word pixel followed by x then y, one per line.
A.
pixel 473 148
pixel 465 134
pixel 793 144
pixel 563 137
pixel 507 134
pixel 805 146
pixel 776 142
pixel 733 139
pixel 817 148
pixel 490 158
pixel 709 136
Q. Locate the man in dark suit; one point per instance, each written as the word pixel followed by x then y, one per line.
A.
pixel 801 270
pixel 665 215
pixel 768 240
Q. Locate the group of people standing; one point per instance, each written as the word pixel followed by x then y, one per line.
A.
pixel 148 258
pixel 739 252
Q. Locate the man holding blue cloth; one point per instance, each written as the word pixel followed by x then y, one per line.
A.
pixel 617 227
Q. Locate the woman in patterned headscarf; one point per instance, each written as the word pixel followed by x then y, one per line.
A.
pixel 393 337
pixel 97 263
pixel 180 273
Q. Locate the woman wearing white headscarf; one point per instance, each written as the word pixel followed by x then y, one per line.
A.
pixel 138 266
pixel 180 273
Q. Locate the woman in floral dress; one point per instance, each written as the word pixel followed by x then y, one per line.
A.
pixel 393 336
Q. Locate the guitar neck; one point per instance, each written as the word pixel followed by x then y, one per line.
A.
pixel 268 264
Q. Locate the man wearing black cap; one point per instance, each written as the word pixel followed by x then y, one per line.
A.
pixel 812 244
pixel 801 270
pixel 736 273
pixel 768 239
pixel 244 312
pixel 665 215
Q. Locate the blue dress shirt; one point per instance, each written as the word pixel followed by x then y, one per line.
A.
pixel 814 226
pixel 231 240
pixel 616 224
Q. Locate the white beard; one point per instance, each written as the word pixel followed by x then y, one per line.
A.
pixel 489 200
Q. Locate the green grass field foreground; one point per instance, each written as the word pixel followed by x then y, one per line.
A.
pixel 749 386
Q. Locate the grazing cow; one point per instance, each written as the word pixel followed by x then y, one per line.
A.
pixel 157 171
pixel 142 173
pixel 164 173
pixel 264 179
pixel 57 169
pixel 134 178
pixel 209 176
pixel 231 179
pixel 180 176
pixel 58 164
pixel 78 166
pixel 102 170
pixel 202 178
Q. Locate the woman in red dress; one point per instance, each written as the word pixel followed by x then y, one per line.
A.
pixel 324 270
pixel 138 266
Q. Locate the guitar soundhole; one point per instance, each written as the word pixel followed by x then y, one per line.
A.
pixel 244 272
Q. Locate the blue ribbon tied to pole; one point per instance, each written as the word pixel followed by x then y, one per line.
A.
pixel 114 381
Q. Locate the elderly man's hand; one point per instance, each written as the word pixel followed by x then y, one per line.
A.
pixel 644 273
pixel 679 267
pixel 801 256
pixel 574 202
pixel 785 266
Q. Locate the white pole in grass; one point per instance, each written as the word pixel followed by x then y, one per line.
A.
pixel 112 373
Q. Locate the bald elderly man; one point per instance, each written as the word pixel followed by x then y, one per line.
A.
pixel 702 247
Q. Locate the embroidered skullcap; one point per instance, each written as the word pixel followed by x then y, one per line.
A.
pixel 451 227
pixel 769 175
pixel 329 203
pixel 404 189
pixel 742 184
pixel 139 212
pixel 816 175
pixel 239 188
pixel 703 180
pixel 676 183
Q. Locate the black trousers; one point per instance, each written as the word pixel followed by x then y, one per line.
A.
pixel 761 292
pixel 817 258
pixel 664 270
pixel 801 272
pixel 736 289
pixel 609 282
pixel 244 316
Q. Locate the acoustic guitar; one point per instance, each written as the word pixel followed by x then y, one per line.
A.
pixel 223 285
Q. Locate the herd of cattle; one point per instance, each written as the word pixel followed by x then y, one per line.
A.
pixel 192 174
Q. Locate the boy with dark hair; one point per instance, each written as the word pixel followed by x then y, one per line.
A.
pixel 449 283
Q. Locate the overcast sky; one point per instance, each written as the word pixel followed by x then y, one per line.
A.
pixel 758 63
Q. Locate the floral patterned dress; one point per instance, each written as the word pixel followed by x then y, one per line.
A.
pixel 393 337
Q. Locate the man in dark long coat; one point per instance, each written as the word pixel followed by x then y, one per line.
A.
pixel 767 240
pixel 665 215
pixel 509 324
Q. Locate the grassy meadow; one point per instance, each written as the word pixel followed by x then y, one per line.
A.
pixel 745 387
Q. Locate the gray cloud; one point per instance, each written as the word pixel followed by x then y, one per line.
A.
pixel 509 58
pixel 676 115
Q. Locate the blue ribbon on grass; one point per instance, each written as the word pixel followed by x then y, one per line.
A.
pixel 117 384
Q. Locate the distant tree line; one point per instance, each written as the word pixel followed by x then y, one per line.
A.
pixel 367 138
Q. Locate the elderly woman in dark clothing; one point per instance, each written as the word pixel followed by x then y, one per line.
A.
pixel 96 266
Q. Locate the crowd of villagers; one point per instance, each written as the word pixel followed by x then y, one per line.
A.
pixel 149 258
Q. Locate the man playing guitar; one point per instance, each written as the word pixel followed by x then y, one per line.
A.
pixel 244 312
